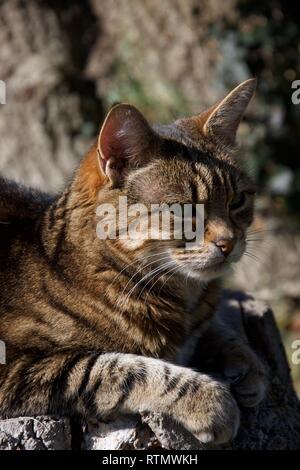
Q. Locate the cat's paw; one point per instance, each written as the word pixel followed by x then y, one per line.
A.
pixel 247 376
pixel 212 414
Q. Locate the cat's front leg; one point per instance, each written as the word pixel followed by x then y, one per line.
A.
pixel 229 353
pixel 203 405
pixel 99 385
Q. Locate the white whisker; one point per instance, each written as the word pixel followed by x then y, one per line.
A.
pixel 140 281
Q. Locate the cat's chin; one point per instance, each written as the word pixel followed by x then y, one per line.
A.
pixel 208 273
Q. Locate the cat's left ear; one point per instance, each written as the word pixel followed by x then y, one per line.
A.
pixel 124 142
pixel 222 120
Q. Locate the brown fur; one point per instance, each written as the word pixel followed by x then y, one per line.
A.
pixel 77 342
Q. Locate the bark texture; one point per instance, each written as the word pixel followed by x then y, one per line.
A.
pixel 64 62
pixel 46 123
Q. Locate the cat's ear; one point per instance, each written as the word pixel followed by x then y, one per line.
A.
pixel 124 142
pixel 222 120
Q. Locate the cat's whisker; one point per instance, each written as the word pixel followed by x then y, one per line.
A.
pixel 152 273
pixel 187 278
pixel 140 281
pixel 166 274
pixel 255 231
pixel 168 278
pixel 177 269
pixel 157 273
pixel 142 267
pixel 254 237
pixel 135 262
pixel 253 257
pixel 264 244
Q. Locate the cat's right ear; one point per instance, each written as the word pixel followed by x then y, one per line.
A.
pixel 124 142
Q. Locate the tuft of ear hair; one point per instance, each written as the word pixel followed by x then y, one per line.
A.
pixel 226 117
pixel 124 142
pixel 221 121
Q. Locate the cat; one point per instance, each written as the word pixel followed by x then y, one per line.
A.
pixel 89 329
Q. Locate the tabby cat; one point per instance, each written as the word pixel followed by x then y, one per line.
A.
pixel 93 327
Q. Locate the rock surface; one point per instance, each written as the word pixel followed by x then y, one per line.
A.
pixel 39 433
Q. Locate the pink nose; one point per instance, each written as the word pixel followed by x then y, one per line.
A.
pixel 226 245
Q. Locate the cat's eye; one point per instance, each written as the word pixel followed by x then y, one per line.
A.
pixel 238 201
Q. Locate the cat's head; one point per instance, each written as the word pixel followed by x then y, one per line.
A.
pixel 192 161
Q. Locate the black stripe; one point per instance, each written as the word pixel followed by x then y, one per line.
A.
pixel 188 387
pixel 113 377
pixel 23 390
pixel 129 382
pixel 46 342
pixel 111 257
pixel 54 267
pixel 60 383
pixel 172 384
pixel 90 399
pixel 51 216
pixel 40 242
pixel 216 180
pixel 205 183
pixel 53 259
pixel 87 374
pixel 112 365
pixel 142 374
pixel 28 387
pixel 194 190
pixel 126 388
pixel 105 310
pixel 59 203
pixel 59 243
pixel 167 374
pixel 182 391
pixel 232 180
pixel 59 306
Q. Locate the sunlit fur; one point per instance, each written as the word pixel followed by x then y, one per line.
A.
pixel 196 177
pixel 94 327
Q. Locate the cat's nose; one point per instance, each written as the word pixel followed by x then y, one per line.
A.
pixel 226 245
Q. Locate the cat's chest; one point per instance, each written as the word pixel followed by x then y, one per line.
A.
pixel 197 319
pixel 193 297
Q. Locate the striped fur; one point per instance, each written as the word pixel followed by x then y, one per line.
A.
pixel 88 329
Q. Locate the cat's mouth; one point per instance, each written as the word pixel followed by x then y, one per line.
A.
pixel 218 262
pixel 207 266
pixel 214 264
pixel 202 267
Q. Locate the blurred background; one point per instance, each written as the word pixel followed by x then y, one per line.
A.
pixel 65 63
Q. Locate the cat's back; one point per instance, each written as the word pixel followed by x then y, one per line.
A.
pixel 20 211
